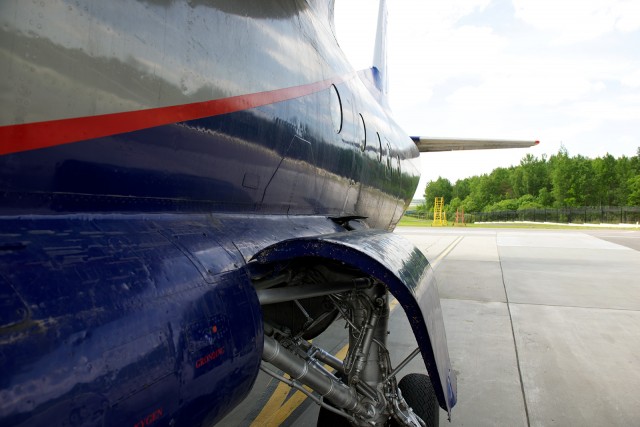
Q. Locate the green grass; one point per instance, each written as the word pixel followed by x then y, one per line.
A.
pixel 408 221
pixel 414 222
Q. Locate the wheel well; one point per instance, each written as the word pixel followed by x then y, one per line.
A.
pixel 303 317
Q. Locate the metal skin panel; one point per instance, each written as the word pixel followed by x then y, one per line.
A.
pixel 250 161
pixel 93 57
pixel 148 150
pixel 165 150
pixel 120 318
pixel 407 274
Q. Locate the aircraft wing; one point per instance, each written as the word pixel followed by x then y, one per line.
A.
pixel 426 144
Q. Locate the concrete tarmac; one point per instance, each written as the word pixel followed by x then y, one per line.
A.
pixel 543 329
pixel 543 326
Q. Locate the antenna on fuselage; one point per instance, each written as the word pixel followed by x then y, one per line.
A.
pixel 380 51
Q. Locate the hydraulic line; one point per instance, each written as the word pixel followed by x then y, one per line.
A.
pixel 331 389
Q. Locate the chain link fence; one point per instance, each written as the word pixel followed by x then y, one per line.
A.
pixel 581 215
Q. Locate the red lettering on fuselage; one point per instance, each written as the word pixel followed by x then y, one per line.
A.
pixel 149 419
pixel 209 357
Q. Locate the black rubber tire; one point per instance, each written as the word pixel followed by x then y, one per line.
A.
pixel 421 397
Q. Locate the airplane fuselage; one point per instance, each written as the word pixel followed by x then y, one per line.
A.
pixel 192 106
pixel 148 151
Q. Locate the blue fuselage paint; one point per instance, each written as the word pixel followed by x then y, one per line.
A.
pixel 125 295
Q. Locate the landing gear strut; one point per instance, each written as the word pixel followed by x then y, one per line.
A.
pixel 362 389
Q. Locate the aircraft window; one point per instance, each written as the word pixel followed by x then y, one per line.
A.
pixel 379 147
pixel 362 134
pixel 336 109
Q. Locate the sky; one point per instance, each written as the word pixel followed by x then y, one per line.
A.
pixel 565 72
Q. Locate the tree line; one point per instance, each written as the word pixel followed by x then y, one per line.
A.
pixel 559 181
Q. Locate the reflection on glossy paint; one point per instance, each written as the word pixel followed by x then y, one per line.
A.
pixel 124 237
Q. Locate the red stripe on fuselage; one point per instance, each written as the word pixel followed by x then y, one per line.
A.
pixel 32 136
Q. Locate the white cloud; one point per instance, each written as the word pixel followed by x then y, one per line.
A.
pixel 484 69
pixel 579 20
pixel 632 78
pixel 465 53
pixel 617 109
pixel 528 81
pixel 419 16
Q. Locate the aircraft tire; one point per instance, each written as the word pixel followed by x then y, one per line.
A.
pixel 420 395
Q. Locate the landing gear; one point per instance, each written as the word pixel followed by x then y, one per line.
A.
pixel 418 392
pixel 327 418
pixel 361 389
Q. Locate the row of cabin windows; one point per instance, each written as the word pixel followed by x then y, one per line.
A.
pixel 337 119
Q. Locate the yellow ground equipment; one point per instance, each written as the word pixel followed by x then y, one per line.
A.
pixel 439 215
